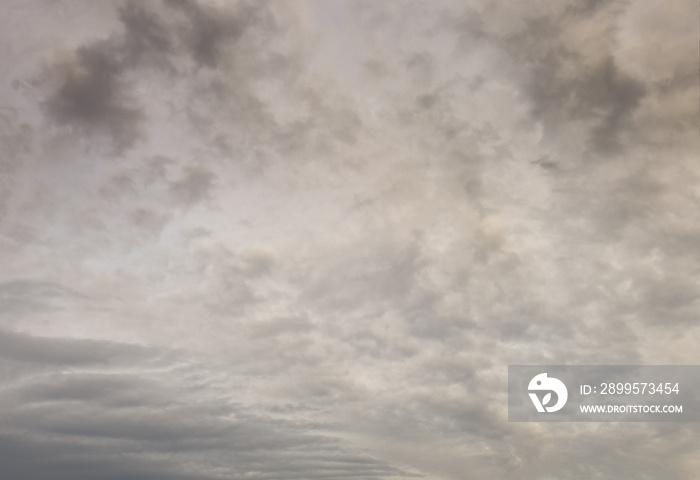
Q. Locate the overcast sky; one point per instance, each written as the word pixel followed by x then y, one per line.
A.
pixel 303 240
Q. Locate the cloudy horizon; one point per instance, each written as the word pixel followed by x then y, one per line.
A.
pixel 304 240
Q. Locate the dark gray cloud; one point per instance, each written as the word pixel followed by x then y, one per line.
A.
pixel 209 31
pixel 193 186
pixel 109 424
pixel 147 39
pixel 94 90
pixel 92 95
pixel 66 351
pixel 568 77
pixel 604 95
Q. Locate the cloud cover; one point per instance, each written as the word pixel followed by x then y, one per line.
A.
pixel 304 240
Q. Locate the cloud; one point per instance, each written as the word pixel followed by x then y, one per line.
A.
pixel 604 95
pixel 92 96
pixel 193 186
pixel 146 37
pixel 324 229
pixel 27 296
pixel 58 351
pixel 208 30
pixel 92 88
pixel 564 56
pixel 111 423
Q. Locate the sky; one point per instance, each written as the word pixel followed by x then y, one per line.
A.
pixel 304 240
